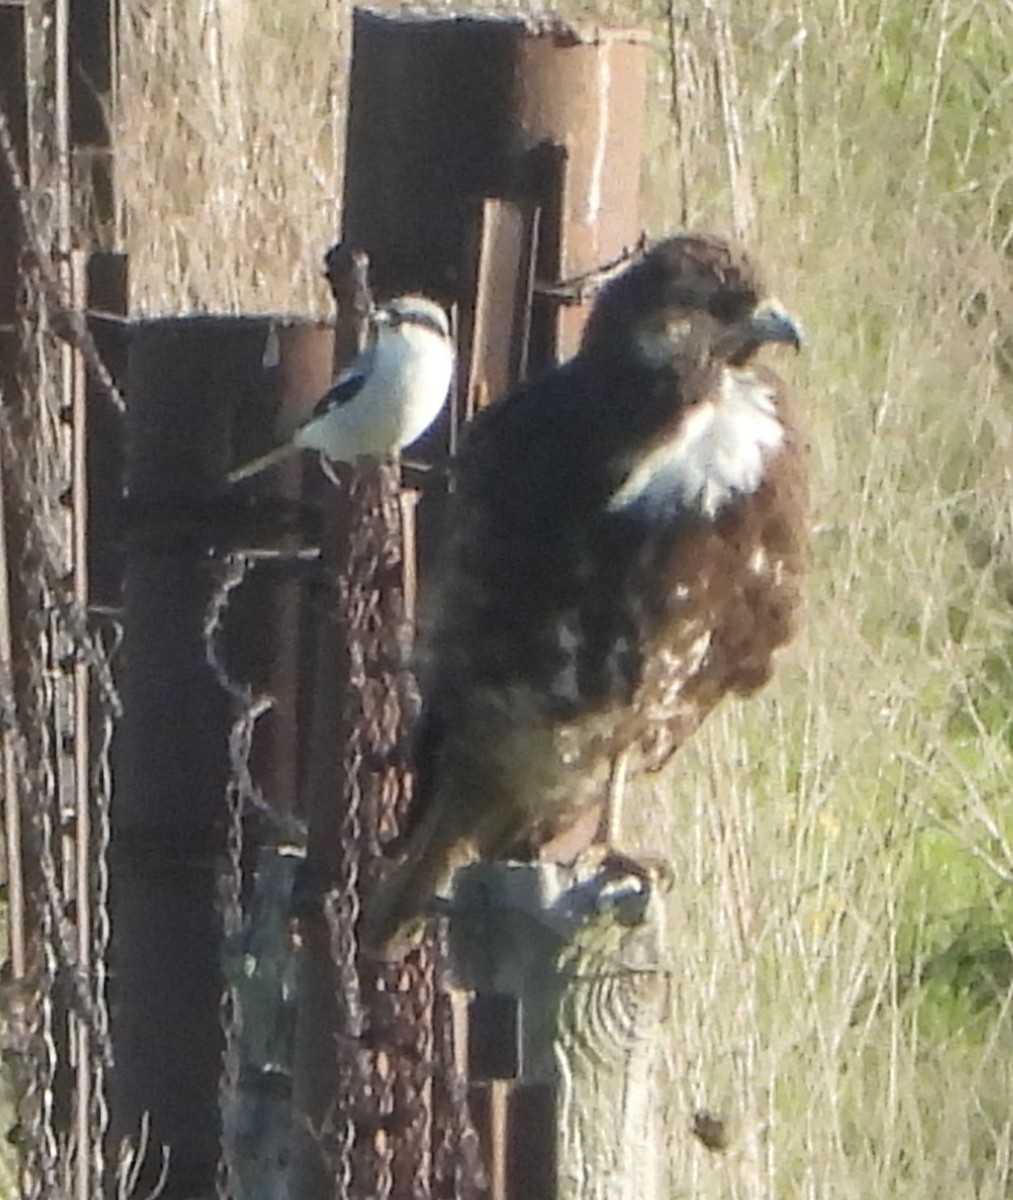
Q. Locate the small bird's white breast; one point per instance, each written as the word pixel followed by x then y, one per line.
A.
pixel 717 453
pixel 400 399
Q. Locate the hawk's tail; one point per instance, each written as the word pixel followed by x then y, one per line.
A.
pixel 261 463
pixel 394 915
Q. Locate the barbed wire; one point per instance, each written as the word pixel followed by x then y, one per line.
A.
pixel 242 795
pixel 68 322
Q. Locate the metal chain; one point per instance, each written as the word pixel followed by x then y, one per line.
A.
pixel 52 638
pixel 343 905
pixel 57 634
pixel 101 801
pixel 396 1157
pixel 30 1042
pixel 38 713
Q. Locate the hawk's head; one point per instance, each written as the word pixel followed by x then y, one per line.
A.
pixel 692 301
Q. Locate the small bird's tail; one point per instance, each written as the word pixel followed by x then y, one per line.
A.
pixel 261 463
pixel 394 914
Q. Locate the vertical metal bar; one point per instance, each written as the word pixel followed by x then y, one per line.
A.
pixel 303 374
pixel 61 139
pixel 12 71
pixel 13 837
pixel 497 308
pixel 408 500
pixel 531 1142
pixel 82 890
pixel 328 1021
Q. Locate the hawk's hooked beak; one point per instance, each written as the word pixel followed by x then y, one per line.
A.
pixel 770 322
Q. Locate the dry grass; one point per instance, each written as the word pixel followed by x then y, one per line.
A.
pixel 232 119
pixel 843 847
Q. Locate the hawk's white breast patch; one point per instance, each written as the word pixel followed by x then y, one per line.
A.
pixel 717 453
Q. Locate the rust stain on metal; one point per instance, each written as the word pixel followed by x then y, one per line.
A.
pixel 298 358
pixel 588 98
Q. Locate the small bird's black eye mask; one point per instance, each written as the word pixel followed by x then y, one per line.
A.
pixel 422 320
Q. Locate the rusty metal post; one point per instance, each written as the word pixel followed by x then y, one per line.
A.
pixel 301 369
pixel 487 162
pixel 192 678
pixel 487 159
pixel 583 89
pixel 446 112
pixel 268 664
pixel 12 73
pixel 186 378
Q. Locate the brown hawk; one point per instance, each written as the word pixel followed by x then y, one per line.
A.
pixel 625 547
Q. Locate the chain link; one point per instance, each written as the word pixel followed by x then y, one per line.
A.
pixel 61 998
pixel 35 719
pixel 386 1010
pixel 101 801
pixel 355 600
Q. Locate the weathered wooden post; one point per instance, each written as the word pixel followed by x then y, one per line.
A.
pixel 565 967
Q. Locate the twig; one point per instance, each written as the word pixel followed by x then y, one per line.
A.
pixel 582 288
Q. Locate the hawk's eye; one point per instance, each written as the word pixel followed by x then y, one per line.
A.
pixel 731 306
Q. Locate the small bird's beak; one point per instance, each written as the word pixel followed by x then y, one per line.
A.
pixel 773 323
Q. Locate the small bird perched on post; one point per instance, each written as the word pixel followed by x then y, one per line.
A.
pixel 625 547
pixel 389 395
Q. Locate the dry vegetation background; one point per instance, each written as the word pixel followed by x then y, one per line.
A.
pixel 841 922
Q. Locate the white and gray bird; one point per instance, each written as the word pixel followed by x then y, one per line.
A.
pixel 386 398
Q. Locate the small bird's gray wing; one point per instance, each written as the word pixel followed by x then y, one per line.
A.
pixel 347 385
